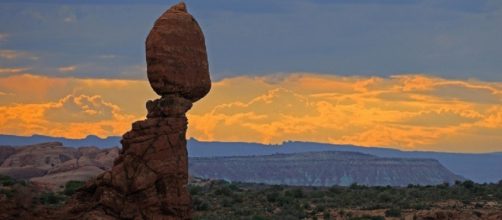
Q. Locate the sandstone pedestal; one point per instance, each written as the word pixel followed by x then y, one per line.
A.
pixel 149 178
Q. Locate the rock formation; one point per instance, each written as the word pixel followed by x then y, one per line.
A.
pixel 149 178
pixel 51 165
pixel 323 169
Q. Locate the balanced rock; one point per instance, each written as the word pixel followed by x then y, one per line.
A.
pixel 176 56
pixel 148 179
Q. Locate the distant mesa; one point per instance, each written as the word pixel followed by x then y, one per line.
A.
pixel 323 169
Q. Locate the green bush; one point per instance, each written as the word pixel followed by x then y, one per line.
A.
pixel 258 217
pixel 7 180
pixel 272 197
pixel 199 205
pixel 7 192
pixel 72 186
pixel 195 190
pixel 296 193
pixel 224 190
pixel 393 212
pixel 50 198
pixel 468 184
pixel 326 215
pixel 367 217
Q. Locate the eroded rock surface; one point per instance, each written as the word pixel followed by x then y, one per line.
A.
pixel 51 165
pixel 149 178
pixel 176 56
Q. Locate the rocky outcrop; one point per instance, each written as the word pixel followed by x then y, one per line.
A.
pixel 51 165
pixel 149 178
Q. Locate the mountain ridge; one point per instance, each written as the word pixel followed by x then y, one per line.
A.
pixel 479 167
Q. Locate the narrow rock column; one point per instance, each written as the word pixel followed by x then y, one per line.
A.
pixel 149 178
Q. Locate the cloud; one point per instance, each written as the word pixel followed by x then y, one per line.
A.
pixel 67 69
pixel 67 13
pixel 70 107
pixel 71 116
pixel 12 70
pixel 402 111
pixel 81 108
pixel 14 54
pixel 107 56
pixel 411 111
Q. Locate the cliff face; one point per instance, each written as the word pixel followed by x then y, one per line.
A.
pixel 148 180
pixel 323 169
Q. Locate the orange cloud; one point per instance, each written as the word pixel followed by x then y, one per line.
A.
pixel 14 54
pixel 67 69
pixel 70 107
pixel 12 70
pixel 404 111
pixel 414 112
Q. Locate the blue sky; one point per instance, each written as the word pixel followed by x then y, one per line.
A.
pixel 105 39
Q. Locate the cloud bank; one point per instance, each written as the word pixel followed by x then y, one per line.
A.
pixel 412 112
pixel 402 111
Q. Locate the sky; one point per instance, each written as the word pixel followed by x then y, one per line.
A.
pixel 412 75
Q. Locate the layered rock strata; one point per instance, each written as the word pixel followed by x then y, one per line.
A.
pixel 149 178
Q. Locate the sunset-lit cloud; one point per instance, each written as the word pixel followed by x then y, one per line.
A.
pixel 70 107
pixel 411 112
pixel 14 54
pixel 67 69
pixel 12 70
pixel 404 111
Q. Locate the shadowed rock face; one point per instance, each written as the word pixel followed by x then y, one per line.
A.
pixel 149 178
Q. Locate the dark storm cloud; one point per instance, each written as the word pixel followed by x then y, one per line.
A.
pixel 105 39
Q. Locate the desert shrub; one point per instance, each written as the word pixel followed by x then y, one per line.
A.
pixel 272 197
pixel 226 202
pixel 296 193
pixel 468 184
pixel 50 198
pixel 367 217
pixel 280 188
pixel 199 205
pixel 393 212
pixel 326 215
pixel 385 197
pixel 258 217
pixel 237 198
pixel 194 190
pixel 223 191
pixel 335 190
pixel 316 194
pixel 7 192
pixel 319 208
pixel 233 187
pixel 72 186
pixel 7 180
pixel 284 200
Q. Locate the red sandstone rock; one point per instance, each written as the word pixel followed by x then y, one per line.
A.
pixel 176 56
pixel 149 178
